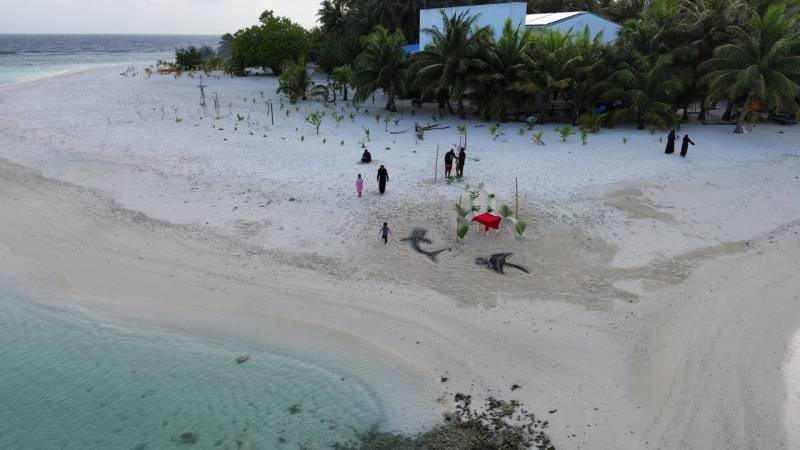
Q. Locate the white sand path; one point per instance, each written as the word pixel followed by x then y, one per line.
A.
pixel 659 313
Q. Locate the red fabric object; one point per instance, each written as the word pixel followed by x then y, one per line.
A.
pixel 488 220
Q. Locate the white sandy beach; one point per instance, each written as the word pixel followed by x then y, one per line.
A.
pixel 662 308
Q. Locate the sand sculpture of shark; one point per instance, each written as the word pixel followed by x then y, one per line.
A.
pixel 498 263
pixel 417 237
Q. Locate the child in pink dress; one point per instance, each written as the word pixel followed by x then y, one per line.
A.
pixel 359 185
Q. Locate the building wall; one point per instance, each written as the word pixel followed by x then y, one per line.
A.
pixel 494 16
pixel 596 24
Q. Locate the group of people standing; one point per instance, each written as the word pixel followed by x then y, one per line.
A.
pixel 383 174
pixel 671 138
pixel 460 159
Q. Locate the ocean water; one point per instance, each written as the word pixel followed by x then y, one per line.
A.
pixel 70 381
pixel 26 57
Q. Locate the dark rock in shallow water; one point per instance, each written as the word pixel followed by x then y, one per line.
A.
pixel 242 359
pixel 443 379
pixel 515 387
pixel 188 438
pixel 295 409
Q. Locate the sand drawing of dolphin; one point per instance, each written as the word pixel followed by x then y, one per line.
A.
pixel 417 237
pixel 498 263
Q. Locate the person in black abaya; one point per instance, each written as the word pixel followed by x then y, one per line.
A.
pixel 685 145
pixel 462 158
pixel 383 177
pixel 670 142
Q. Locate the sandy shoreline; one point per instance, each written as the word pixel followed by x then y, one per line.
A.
pixel 660 310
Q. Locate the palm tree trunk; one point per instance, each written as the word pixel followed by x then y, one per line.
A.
pixel 728 110
pixel 685 117
pixel 702 115
pixel 344 92
pixel 461 112
pixel 390 106
pixel 743 114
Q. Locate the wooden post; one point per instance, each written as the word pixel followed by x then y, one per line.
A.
pixel 516 198
pixel 271 114
pixel 436 166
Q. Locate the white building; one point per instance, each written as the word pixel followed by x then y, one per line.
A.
pixel 495 16
pixel 575 21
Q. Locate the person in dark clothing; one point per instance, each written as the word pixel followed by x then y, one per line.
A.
pixel 670 142
pixel 383 177
pixel 448 162
pixel 385 231
pixel 462 158
pixel 685 146
pixel 366 157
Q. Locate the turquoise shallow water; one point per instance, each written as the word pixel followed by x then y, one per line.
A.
pixel 71 381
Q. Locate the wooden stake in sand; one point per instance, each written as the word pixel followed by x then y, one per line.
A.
pixel 202 93
pixel 271 114
pixel 516 198
pixel 436 165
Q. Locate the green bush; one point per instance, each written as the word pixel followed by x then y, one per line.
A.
pixel 521 226
pixel 268 45
pixel 462 230
pixel 592 122
pixel 461 211
pixel 193 58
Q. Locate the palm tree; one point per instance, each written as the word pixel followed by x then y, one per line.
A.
pixel 494 90
pixel 705 24
pixel 555 60
pixel 761 63
pixel 382 65
pixel 589 69
pixel 342 76
pixel 332 15
pixel 224 47
pixel 453 57
pixel 646 88
pixel 295 82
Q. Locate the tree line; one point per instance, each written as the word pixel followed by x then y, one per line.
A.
pixel 669 55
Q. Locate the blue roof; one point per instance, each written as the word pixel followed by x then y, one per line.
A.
pixel 411 48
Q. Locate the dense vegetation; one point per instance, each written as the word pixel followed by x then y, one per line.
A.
pixel 199 58
pixel 670 56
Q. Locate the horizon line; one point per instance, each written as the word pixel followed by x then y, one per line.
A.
pixel 109 34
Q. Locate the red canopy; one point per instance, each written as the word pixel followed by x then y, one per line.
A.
pixel 488 220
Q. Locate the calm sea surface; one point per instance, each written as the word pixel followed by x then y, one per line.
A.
pixel 70 381
pixel 30 56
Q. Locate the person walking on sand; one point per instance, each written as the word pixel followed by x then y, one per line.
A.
pixel 448 162
pixel 685 145
pixel 385 232
pixel 670 142
pixel 359 185
pixel 462 158
pixel 383 177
